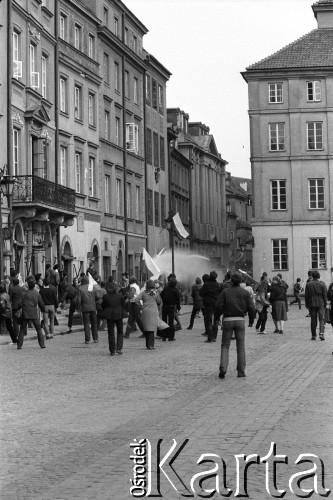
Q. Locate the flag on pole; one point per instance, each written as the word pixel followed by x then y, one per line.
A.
pixel 179 228
pixel 150 263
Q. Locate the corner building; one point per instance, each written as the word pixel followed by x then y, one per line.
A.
pixel 291 129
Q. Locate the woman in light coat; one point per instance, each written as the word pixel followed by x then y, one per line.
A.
pixel 150 318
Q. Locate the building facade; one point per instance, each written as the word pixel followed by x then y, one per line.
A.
pixel 157 165
pixel 290 103
pixel 208 194
pixel 39 205
pixel 239 216
pixel 180 170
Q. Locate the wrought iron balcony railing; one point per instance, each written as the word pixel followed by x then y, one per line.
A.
pixel 33 189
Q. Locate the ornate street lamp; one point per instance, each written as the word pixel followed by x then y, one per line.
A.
pixel 6 189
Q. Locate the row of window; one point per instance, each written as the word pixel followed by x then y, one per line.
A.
pixel 314 136
pixel 79 170
pixel 65 33
pixel 130 38
pixel 156 208
pixel 38 65
pixel 38 77
pixel 317 254
pixel 279 194
pixel 133 198
pixel 78 102
pixel 313 89
pixel 116 73
pixel 155 148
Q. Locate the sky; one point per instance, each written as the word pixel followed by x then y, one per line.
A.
pixel 206 44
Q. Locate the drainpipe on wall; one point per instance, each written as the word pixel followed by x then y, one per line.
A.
pixel 56 111
pixel 145 153
pixel 124 148
pixel 9 119
pixel 190 212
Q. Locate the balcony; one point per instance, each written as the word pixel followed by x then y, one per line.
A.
pixel 33 190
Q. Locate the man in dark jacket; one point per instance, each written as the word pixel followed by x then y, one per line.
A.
pixel 49 296
pixel 30 300
pixel 209 292
pixel 72 294
pixel 197 302
pixel 171 300
pixel 112 306
pixel 297 290
pixel 15 294
pixel 234 303
pixel 315 301
pixel 87 305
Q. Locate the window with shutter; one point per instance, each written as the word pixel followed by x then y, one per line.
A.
pixel 154 92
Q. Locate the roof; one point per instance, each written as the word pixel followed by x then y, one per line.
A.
pixel 243 180
pixel 312 50
pixel 234 189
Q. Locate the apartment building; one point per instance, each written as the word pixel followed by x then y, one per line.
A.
pixel 290 103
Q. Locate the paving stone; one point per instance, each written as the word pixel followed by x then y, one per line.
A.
pixel 69 412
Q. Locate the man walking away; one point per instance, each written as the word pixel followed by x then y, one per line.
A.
pixel 234 303
pixel 197 302
pixel 315 301
pixel 15 294
pixel 31 300
pixel 297 290
pixel 171 301
pixel 87 305
pixel 49 296
pixel 209 292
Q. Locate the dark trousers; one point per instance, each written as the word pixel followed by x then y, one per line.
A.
pixel 134 317
pixel 90 317
pixel 9 325
pixel 23 329
pixel 261 323
pixel 168 316
pixel 314 312
pixel 211 322
pixel 71 312
pixel 228 328
pixel 297 300
pixel 149 339
pixel 194 312
pixel 112 343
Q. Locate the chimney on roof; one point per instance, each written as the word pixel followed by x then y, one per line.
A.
pixel 323 12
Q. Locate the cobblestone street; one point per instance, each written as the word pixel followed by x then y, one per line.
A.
pixel 70 412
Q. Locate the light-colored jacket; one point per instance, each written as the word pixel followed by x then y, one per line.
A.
pixel 149 315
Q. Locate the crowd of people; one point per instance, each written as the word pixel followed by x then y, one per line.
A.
pixel 153 309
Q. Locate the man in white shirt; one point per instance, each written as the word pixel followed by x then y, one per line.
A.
pixel 134 308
